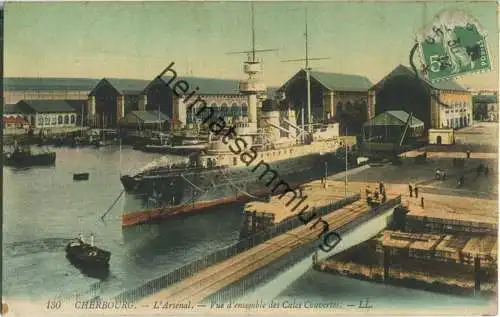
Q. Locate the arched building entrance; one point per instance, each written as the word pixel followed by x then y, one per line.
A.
pixel 105 106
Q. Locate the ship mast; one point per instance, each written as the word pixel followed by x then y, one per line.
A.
pixel 252 86
pixel 307 69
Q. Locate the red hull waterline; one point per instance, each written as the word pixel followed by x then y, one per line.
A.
pixel 147 215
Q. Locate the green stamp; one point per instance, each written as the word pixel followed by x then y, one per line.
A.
pixel 453 45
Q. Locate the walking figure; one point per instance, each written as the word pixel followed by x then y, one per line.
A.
pixel 479 169
pixel 461 181
pixel 410 189
pixel 381 187
pixel 438 174
pixel 468 153
pixel 422 202
pixel 416 191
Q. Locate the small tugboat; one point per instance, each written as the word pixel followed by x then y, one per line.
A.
pixel 23 157
pixel 87 256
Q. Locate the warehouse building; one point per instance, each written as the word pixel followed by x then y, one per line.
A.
pixel 111 99
pixel 339 97
pixel 48 113
pixel 30 88
pixel 220 94
pixel 451 106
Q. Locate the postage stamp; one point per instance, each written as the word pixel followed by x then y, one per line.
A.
pixel 453 45
pixel 154 165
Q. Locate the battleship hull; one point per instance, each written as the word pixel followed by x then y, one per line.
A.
pixel 172 193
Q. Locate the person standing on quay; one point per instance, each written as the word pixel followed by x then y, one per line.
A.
pixel 410 189
pixel 416 191
pixel 422 202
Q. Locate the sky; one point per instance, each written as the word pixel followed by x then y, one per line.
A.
pixel 139 39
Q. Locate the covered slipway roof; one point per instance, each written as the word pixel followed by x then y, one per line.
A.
pixel 394 117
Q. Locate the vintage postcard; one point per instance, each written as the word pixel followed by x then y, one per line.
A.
pixel 187 158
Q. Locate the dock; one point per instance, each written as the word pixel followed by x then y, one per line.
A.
pixel 208 281
pixel 318 193
pixel 443 213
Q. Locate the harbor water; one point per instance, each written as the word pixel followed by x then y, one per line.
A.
pixel 43 208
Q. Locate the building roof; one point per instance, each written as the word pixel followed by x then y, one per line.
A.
pixel 335 81
pixel 152 116
pixel 394 117
pixel 402 70
pixel 44 106
pixel 208 86
pixel 11 109
pixel 48 84
pixel 122 86
pixel 78 105
pixel 342 82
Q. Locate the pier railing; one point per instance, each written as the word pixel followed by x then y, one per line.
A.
pixel 155 285
pixel 273 269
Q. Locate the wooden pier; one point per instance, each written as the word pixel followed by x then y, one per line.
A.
pixel 215 278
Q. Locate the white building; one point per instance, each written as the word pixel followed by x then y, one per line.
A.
pixel 49 113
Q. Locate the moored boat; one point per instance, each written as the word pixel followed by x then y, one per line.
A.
pixel 86 255
pixel 22 156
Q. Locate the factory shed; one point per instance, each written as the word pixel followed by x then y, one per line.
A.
pixel 34 88
pixel 48 113
pixel 444 104
pixel 334 96
pixel 111 99
pixel 388 126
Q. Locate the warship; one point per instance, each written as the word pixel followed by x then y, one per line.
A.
pixel 282 151
pixel 219 174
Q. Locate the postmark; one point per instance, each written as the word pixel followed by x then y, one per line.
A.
pixel 453 45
